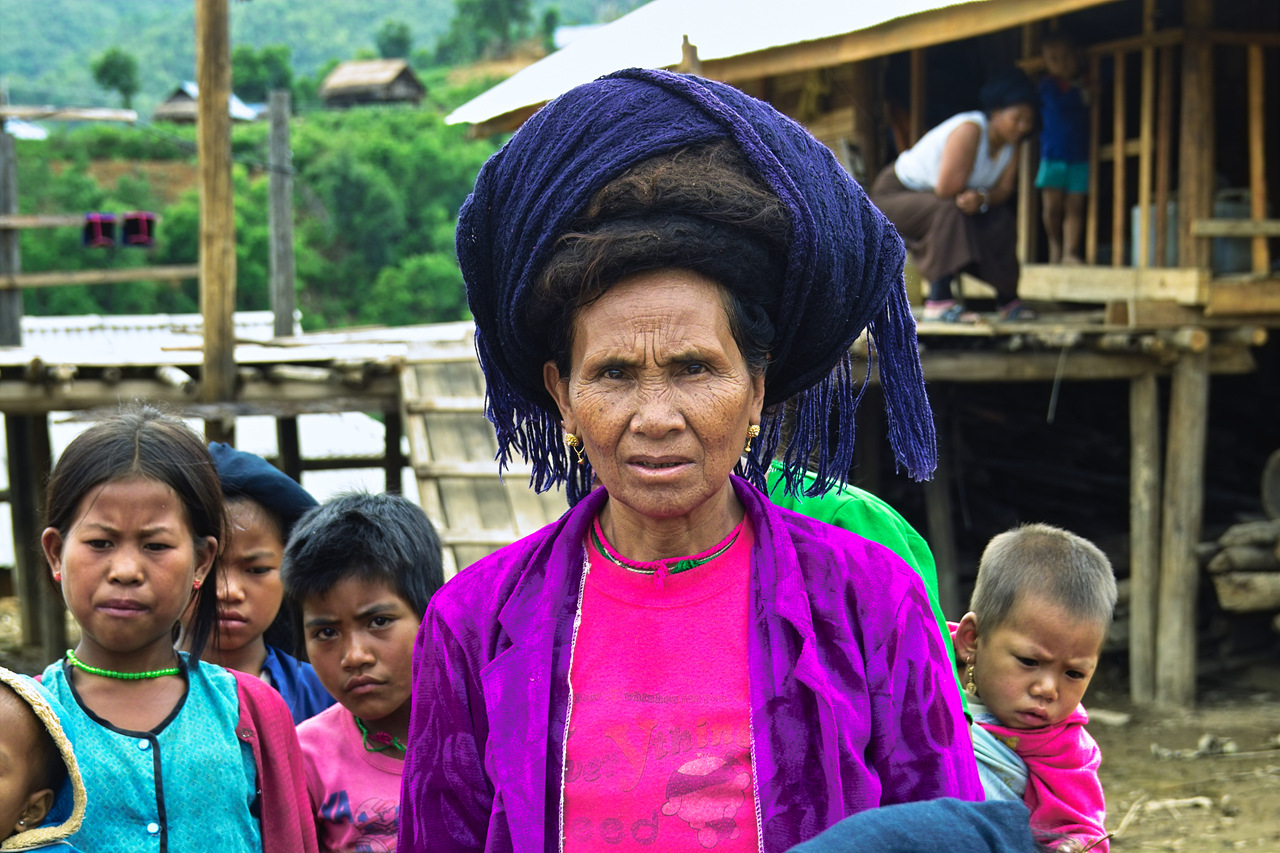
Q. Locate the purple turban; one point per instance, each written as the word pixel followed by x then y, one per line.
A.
pixel 843 273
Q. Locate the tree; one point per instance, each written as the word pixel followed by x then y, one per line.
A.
pixel 394 40
pixel 117 71
pixel 484 29
pixel 254 73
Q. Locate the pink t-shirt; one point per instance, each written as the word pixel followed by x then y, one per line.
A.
pixel 355 794
pixel 659 747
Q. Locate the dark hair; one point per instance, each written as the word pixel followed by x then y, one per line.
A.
pixel 48 769
pixel 1009 88
pixel 1042 559
pixel 281 632
pixel 382 538
pixel 142 441
pixel 701 208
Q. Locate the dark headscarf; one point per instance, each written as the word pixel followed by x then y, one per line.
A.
pixel 1007 88
pixel 843 273
pixel 246 475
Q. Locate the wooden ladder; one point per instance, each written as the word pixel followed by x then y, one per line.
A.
pixel 452 449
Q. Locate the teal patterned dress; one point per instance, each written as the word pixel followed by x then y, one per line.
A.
pixel 187 785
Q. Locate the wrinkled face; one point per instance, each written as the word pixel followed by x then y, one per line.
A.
pixel 1033 670
pixel 360 641
pixel 1013 123
pixel 128 563
pixel 249 587
pixel 1060 60
pixel 659 392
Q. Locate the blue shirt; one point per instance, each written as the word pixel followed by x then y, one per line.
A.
pixel 1065 115
pixel 297 683
pixel 188 784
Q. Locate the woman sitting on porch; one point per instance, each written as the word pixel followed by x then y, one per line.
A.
pixel 947 195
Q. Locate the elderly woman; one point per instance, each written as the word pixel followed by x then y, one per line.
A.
pixel 655 263
pixel 947 194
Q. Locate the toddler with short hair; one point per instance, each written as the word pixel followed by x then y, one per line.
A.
pixel 361 569
pixel 42 796
pixel 1028 648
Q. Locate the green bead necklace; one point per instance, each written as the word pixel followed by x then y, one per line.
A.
pixel 383 740
pixel 111 673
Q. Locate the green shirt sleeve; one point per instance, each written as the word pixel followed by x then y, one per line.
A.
pixel 868 516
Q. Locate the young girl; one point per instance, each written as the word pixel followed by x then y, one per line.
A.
pixel 175 755
pixel 254 630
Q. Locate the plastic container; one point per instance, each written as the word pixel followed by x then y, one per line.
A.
pixel 1228 254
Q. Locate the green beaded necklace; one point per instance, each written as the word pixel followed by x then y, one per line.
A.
pixel 111 673
pixel 384 740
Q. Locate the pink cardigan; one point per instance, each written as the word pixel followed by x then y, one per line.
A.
pixel 267 726
pixel 1063 791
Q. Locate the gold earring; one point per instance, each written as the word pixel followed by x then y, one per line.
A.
pixel 576 443
pixel 753 431
pixel 969 686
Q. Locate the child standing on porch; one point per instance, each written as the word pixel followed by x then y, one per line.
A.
pixel 1028 646
pixel 1063 178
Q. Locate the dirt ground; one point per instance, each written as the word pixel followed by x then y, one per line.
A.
pixel 1202 780
pixel 1207 779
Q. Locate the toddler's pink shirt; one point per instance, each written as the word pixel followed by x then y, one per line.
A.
pixel 659 747
pixel 355 794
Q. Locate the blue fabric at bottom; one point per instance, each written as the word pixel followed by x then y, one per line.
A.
pixel 999 826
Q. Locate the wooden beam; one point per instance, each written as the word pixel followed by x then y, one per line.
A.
pixel 217 205
pixel 1182 511
pixel 17 281
pixel 1262 228
pixel 66 113
pixel 1108 284
pixel 1144 534
pixel 967 366
pixel 1259 37
pixel 1164 154
pixel 936 26
pixel 1258 155
pixel 10 247
pixel 1028 160
pixel 1095 136
pixel 1118 208
pixel 1254 297
pixel 1196 141
pixel 919 95
pixel 35 220
pixel 280 217
pixel 1146 142
pixel 393 461
pixel 1163 38
pixel 1131 148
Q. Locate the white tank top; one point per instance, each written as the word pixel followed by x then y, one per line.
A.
pixel 918 166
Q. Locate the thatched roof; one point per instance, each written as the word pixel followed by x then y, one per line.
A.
pixel 181 106
pixel 369 75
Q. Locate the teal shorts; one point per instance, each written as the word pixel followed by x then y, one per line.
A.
pixel 1061 175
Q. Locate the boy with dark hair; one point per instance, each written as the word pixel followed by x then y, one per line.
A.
pixel 1029 646
pixel 1063 178
pixel 361 569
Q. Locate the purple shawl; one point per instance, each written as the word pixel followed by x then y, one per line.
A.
pixel 852 694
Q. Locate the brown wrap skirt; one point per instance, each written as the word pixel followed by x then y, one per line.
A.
pixel 944 240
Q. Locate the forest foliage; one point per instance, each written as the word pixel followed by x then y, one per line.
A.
pixel 376 195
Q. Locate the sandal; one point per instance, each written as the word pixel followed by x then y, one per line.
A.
pixel 1017 311
pixel 947 311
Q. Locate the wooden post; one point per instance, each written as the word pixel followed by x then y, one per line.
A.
pixel 942 537
pixel 53 614
pixel 1028 160
pixel 689 61
pixel 1183 508
pixel 22 482
pixel 1095 134
pixel 1146 140
pixel 919 93
pixel 1118 211
pixel 217 209
pixel 1195 146
pixel 1144 535
pixel 283 291
pixel 866 135
pixel 1258 154
pixel 394 471
pixel 1164 154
